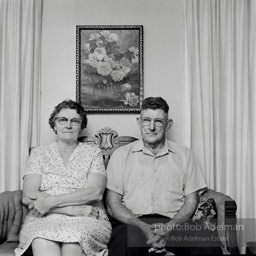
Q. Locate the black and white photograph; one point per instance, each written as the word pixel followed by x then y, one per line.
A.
pixel 128 128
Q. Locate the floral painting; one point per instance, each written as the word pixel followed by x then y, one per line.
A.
pixel 109 67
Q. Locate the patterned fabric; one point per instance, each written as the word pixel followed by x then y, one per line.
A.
pixel 92 234
pixel 147 182
pixel 205 212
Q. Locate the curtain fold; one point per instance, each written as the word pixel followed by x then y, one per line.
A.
pixel 20 51
pixel 220 59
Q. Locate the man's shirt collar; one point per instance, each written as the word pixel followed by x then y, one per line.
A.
pixel 139 146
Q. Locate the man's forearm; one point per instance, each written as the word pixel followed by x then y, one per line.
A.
pixel 121 213
pixel 183 215
pixel 186 211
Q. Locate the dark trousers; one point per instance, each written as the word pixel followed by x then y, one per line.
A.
pixel 127 240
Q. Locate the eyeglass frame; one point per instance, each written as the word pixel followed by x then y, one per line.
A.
pixel 67 120
pixel 154 120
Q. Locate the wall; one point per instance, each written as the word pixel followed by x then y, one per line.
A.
pixel 163 56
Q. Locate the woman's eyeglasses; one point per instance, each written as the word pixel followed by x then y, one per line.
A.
pixel 64 121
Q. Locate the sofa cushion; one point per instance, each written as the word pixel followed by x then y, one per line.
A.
pixel 6 249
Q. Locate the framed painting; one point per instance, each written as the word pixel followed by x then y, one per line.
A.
pixel 109 67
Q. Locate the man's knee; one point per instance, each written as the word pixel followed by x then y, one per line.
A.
pixel 128 235
pixel 119 236
pixel 127 240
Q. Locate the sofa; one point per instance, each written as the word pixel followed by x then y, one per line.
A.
pixel 12 215
pixel 214 207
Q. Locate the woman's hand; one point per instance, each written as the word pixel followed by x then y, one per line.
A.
pixel 40 205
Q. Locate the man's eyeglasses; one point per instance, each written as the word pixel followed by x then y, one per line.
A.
pixel 64 121
pixel 157 122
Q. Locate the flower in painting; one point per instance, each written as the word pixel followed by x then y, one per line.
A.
pixel 109 37
pixel 92 56
pixel 112 63
pixel 104 68
pixel 90 65
pixel 119 74
pixel 112 38
pixel 100 50
pixel 86 48
pixel 125 62
pixel 105 33
pixel 99 53
pixel 125 87
pixel 126 70
pixel 131 99
pixel 96 56
pixel 133 50
pixel 134 59
pixel 94 36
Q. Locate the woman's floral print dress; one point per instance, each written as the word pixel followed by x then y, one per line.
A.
pixel 92 234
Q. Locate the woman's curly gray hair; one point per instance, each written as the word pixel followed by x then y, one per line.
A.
pixel 71 105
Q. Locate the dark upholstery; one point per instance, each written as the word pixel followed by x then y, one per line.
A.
pixel 251 248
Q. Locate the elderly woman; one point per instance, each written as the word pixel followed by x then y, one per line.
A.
pixel 63 187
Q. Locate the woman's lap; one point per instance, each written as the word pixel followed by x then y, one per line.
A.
pixel 40 246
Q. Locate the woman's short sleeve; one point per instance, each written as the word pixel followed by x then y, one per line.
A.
pixel 33 164
pixel 97 165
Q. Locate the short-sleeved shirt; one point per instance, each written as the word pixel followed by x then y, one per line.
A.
pixel 152 183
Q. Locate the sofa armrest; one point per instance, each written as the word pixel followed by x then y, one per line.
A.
pixel 7 249
pixel 12 215
pixel 251 248
pixel 226 223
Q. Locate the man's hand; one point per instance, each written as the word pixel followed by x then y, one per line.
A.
pixel 161 229
pixel 157 242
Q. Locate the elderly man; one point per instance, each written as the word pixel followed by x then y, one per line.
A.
pixel 153 187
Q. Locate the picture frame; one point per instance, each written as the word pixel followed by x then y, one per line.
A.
pixel 109 67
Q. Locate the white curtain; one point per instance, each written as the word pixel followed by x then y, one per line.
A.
pixel 20 47
pixel 220 85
